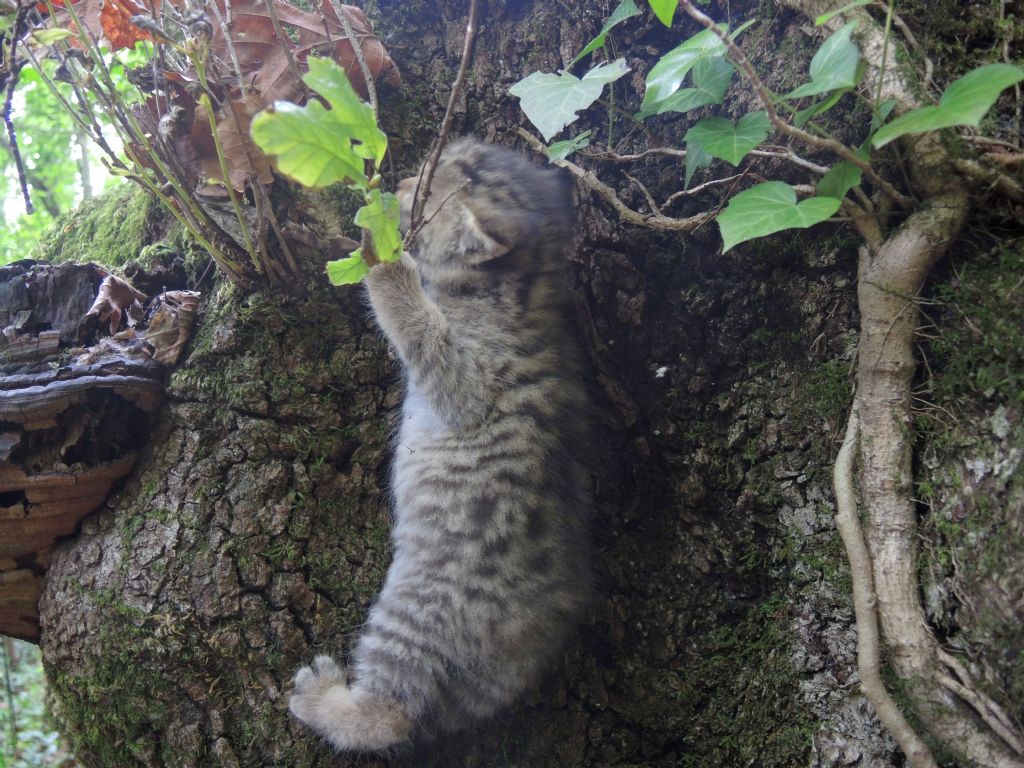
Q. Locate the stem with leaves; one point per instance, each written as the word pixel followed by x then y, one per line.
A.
pixel 768 102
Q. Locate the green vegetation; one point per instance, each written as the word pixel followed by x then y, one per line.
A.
pixel 552 102
pixel 319 147
pixel 29 739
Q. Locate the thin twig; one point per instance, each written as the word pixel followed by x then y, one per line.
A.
pixel 282 38
pixel 788 154
pixel 646 193
pixel 617 158
pixel 607 194
pixel 357 50
pixel 765 97
pixel 699 188
pixel 13 72
pixel 226 25
pixel 260 193
pixel 425 179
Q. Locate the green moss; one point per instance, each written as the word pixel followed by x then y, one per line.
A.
pixel 979 350
pixel 737 699
pixel 110 229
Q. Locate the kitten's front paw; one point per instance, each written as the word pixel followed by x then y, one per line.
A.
pixel 311 685
pixel 349 720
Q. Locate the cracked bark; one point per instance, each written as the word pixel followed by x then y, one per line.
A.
pixel 254 533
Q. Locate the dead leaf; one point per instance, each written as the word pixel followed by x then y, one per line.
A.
pixel 116 22
pixel 265 63
pixel 171 324
pixel 245 162
pixel 114 300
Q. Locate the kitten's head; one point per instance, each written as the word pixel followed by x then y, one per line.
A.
pixel 487 202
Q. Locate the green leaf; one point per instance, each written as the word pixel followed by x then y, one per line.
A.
pixel 552 101
pixel 711 78
pixel 720 138
pixel 833 66
pixel 839 180
pixel 352 113
pixel 664 10
pixel 800 118
pixel 562 149
pixel 50 36
pixel 965 102
pixel 668 74
pixel 881 114
pixel 625 10
pixel 348 270
pixel 767 208
pixel 307 145
pixel 696 158
pixel 827 17
pixel 316 146
pixel 380 216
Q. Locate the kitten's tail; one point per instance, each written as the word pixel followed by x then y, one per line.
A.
pixel 351 719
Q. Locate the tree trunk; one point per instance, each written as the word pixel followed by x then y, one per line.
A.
pixel 254 532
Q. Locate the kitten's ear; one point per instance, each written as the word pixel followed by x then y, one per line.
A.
pixel 499 227
pixel 496 239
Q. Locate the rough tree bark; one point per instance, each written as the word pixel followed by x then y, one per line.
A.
pixel 254 532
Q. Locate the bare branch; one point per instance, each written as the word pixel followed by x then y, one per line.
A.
pixel 700 188
pixel 357 49
pixel 13 71
pixel 646 193
pixel 426 178
pixel 1005 184
pixel 607 194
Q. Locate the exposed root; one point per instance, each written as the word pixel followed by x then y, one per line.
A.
pixel 893 268
pixel 864 605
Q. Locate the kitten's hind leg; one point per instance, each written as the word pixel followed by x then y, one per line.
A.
pixel 349 718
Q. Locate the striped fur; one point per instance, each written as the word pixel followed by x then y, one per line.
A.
pixel 491 560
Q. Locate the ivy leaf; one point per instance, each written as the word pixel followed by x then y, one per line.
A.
pixel 696 158
pixel 711 78
pixel 562 149
pixel 551 102
pixel 664 10
pixel 833 66
pixel 668 74
pixel 380 216
pixel 352 113
pixel 767 208
pixel 720 138
pixel 882 114
pixel 800 118
pixel 625 10
pixel 348 270
pixel 965 102
pixel 839 180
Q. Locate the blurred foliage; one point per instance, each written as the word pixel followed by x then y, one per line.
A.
pixel 28 737
pixel 47 140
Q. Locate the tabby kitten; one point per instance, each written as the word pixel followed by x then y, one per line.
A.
pixel 491 503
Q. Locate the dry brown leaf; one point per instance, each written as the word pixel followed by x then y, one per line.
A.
pixel 245 162
pixel 114 300
pixel 118 29
pixel 264 61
